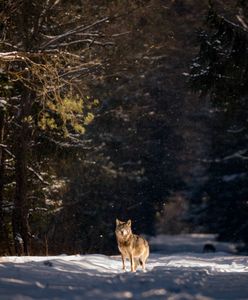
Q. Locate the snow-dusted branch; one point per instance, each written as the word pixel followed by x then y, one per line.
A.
pixel 29 167
pixel 78 29
pixel 239 154
pixel 241 18
pixel 38 175
pixel 11 56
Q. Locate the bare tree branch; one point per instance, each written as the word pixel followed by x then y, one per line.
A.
pixel 88 41
pixel 78 29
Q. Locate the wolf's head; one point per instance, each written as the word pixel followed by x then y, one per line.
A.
pixel 123 229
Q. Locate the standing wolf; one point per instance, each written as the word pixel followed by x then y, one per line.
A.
pixel 131 246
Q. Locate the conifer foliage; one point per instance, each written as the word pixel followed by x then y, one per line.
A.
pixel 43 102
pixel 221 71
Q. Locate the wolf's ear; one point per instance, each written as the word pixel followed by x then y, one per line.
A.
pixel 117 222
pixel 129 222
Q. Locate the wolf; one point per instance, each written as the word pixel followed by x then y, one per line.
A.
pixel 131 246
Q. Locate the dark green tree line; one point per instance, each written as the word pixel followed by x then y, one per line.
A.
pixel 220 70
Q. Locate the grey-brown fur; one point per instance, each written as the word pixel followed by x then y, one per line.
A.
pixel 131 246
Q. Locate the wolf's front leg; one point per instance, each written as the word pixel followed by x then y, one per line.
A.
pixel 132 263
pixel 123 263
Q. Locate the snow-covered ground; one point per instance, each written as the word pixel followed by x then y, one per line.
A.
pixel 182 275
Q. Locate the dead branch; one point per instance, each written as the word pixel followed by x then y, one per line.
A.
pixel 78 29
pixel 85 41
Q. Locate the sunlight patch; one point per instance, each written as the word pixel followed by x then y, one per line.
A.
pixel 154 292
pixel 14 280
pixel 123 295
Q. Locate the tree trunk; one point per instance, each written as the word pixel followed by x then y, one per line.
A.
pixel 46 244
pixel 20 224
pixel 2 235
pixel 20 212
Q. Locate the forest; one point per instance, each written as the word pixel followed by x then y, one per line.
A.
pixel 129 109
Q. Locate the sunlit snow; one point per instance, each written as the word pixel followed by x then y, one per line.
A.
pixel 183 275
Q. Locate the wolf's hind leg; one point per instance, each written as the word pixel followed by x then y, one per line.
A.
pixel 136 263
pixel 142 263
pixel 143 259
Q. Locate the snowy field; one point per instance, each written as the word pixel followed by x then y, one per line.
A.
pixel 185 274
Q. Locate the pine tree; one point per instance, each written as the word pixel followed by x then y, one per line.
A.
pixel 220 70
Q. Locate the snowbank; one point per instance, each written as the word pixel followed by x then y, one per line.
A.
pixel 178 276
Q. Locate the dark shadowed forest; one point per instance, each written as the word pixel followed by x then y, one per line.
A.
pixel 121 109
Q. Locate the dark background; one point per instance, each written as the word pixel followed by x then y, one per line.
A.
pixel 168 144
